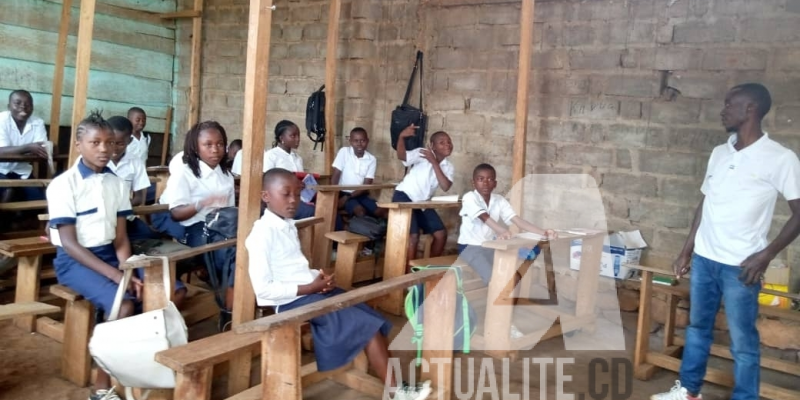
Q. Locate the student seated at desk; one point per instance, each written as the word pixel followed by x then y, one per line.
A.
pixel 281 278
pixel 91 241
pixel 482 212
pixel 283 155
pixel 201 185
pixel 20 133
pixel 354 165
pixel 233 150
pixel 428 168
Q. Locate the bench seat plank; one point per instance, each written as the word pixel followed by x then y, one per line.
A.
pixel 208 351
pixel 23 205
pixel 29 246
pixel 345 237
pixel 27 308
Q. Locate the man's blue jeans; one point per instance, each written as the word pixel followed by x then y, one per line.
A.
pixel 711 282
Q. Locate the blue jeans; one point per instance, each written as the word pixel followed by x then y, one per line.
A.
pixel 712 282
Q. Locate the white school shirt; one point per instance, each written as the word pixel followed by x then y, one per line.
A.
pixel 420 182
pixel 354 169
pixel 132 172
pixel 11 136
pixel 236 166
pixel 176 163
pixel 140 147
pixel 741 188
pixel 473 231
pixel 279 158
pixel 277 265
pixel 91 201
pixel 184 188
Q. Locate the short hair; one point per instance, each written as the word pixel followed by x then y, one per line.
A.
pixel 93 120
pixel 359 129
pixel 483 167
pixel 235 142
pixel 281 128
pixel 759 94
pixel 437 134
pixel 121 124
pixel 22 92
pixel 273 175
pixel 136 109
pixel 191 153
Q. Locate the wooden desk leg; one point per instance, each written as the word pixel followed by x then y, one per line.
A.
pixel 439 321
pixel 551 275
pixel 394 264
pixel 154 298
pixel 500 305
pixel 194 385
pixel 669 327
pixel 346 257
pixel 588 278
pixel 27 288
pixel 281 369
pixel 642 370
pixel 326 208
pixel 306 236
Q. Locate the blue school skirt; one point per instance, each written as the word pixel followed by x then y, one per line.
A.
pixel 342 335
pixel 99 290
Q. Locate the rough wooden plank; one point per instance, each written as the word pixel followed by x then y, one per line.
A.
pixel 208 351
pixel 27 288
pixel 420 205
pixel 25 182
pixel 394 265
pixel 344 300
pixel 82 62
pixel 346 257
pixel 58 75
pixel 37 77
pixel 336 188
pixel 75 359
pixel 24 205
pixel 334 11
pixel 345 237
pixel 500 303
pixel 127 13
pixel 326 208
pixel 34 45
pixel 26 309
pixel 442 260
pixel 182 14
pixel 194 66
pixel 51 328
pixel 362 382
pixel 27 246
pixel 194 385
pixel 65 293
pixel 523 75
pixel 165 139
pixel 307 222
pixel 152 6
pixel 643 329
pixel 281 369
pixel 439 321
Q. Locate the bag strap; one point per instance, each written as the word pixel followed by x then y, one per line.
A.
pixel 421 71
pixel 126 279
pixel 417 64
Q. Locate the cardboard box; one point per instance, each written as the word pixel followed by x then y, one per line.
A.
pixel 777 273
pixel 618 249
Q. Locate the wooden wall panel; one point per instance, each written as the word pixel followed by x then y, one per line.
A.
pixel 156 6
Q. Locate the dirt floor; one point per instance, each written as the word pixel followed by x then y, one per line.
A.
pixel 29 369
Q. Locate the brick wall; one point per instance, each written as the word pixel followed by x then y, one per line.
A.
pixel 628 91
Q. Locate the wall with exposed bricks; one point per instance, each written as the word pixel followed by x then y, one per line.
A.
pixel 628 91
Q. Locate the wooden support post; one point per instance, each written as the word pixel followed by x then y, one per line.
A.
pixel 327 203
pixel 641 369
pixel 194 74
pixel 82 62
pixel 395 262
pixel 195 385
pixel 521 113
pixel 155 297
pixel 500 305
pixel 27 288
pixel 255 118
pixel 281 369
pixel 58 72
pixel 330 82
pixel 440 300
pixel 165 141
pixel 75 359
pixel 669 326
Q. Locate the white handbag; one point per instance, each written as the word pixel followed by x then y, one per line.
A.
pixel 126 348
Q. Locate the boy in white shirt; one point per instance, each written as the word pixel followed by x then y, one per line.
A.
pixel 354 165
pixel 428 169
pixel 140 142
pixel 20 133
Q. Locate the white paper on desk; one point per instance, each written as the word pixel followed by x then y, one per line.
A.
pixel 453 197
pixel 529 236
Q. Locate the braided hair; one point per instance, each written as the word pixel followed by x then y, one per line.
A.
pixel 93 120
pixel 191 154
pixel 282 127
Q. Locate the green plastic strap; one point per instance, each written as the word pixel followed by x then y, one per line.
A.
pixel 412 299
pixel 464 309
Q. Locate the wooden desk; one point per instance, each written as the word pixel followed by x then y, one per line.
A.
pixel 397 235
pixel 496 340
pixel 327 207
pixel 160 172
pixel 138 210
pixel 24 205
pixel 25 158
pixel 28 252
pixel 24 182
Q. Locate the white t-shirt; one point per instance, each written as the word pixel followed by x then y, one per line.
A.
pixel 11 136
pixel 741 188
pixel 91 201
pixel 184 188
pixel 132 172
pixel 420 182
pixel 354 169
pixel 473 231
pixel 277 264
pixel 273 158
pixel 139 147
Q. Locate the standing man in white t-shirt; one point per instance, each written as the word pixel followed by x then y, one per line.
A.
pixel 20 133
pixel 727 248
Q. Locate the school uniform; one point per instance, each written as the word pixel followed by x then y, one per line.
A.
pixel 277 267
pixel 419 184
pixel 32 132
pixel 473 232
pixel 92 202
pixel 354 171
pixel 134 176
pixel 140 148
pixel 176 163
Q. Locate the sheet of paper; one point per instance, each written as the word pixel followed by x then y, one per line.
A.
pixel 529 236
pixel 453 197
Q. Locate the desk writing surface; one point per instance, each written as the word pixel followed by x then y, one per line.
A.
pixel 418 205
pixel 518 242
pixel 158 168
pixel 372 186
pixel 25 182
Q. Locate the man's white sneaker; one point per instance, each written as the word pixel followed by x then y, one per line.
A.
pixel 419 392
pixel 104 394
pixel 677 392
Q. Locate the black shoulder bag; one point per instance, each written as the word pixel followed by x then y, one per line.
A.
pixel 406 114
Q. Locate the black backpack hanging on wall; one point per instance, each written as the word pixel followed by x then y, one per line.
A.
pixel 406 114
pixel 315 117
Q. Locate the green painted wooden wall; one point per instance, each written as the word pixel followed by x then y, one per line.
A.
pixel 131 65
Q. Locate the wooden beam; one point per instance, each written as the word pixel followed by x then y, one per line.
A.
pixel 58 74
pixel 183 14
pixel 82 62
pixel 521 114
pixel 330 82
pixel 127 13
pixel 165 140
pixel 255 118
pixel 194 76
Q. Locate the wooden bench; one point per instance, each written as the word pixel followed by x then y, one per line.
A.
pixel 278 339
pixel 346 256
pixel 15 310
pixel 76 362
pixel 14 206
pixel 647 362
